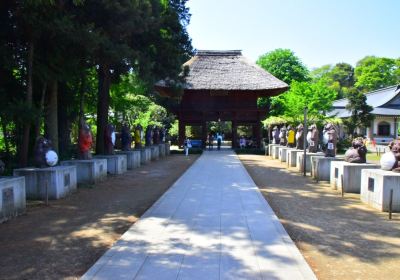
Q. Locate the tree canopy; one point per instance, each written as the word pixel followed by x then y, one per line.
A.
pixel 339 77
pixel 360 111
pixel 61 60
pixel 373 72
pixel 285 65
pixel 317 97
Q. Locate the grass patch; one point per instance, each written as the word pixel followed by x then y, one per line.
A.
pixel 373 157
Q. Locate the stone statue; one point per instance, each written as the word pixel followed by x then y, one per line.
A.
pixel 85 141
pixel 44 156
pixel 357 153
pixel 300 137
pixel 330 140
pixel 282 136
pixel 275 135
pixel 149 135
pixel 2 167
pixel 290 137
pixel 109 139
pixel 162 135
pixel 138 136
pixel 314 139
pixel 156 135
pixel 126 138
pixel 391 160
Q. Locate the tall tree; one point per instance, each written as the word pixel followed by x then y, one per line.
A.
pixel 317 97
pixel 373 73
pixel 360 111
pixel 339 77
pixel 285 65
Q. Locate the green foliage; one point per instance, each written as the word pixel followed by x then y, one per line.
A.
pixel 285 65
pixel 339 77
pixel 274 120
pixel 374 73
pixel 317 97
pixel 84 46
pixel 342 145
pixel 360 111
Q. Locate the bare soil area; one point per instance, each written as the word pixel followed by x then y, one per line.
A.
pixel 64 239
pixel 341 238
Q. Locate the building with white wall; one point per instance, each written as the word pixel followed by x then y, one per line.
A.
pixel 386 103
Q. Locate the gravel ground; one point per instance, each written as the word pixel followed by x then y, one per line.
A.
pixel 63 240
pixel 341 238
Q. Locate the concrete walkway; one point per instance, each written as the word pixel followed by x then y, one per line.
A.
pixel 213 223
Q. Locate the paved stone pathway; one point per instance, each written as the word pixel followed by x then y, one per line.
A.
pixel 213 223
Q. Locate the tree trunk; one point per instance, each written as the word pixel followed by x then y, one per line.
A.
pixel 65 119
pixel 82 96
pixel 24 148
pixel 102 105
pixel 52 114
pixel 38 123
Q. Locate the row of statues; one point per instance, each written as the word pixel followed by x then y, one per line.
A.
pixel 154 135
pixel 294 138
pixel 44 155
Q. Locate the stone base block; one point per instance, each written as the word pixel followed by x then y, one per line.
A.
pixel 12 197
pixel 116 164
pixel 162 151
pixel 291 157
pixel 351 173
pixel 145 155
pixel 270 146
pixel 89 171
pixel 155 152
pixel 275 151
pixel 59 181
pixel 321 167
pixel 300 161
pixel 375 189
pixel 132 158
pixel 283 153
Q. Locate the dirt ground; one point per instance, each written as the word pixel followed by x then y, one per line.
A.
pixel 63 240
pixel 341 238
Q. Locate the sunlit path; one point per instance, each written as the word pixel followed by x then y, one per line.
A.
pixel 213 223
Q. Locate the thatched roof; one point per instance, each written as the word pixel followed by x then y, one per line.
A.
pixel 228 71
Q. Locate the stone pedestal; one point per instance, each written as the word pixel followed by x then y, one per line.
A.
pixel 90 171
pixel 321 167
pixel 12 197
pixel 300 161
pixel 132 158
pixel 116 164
pixel 155 152
pixel 375 189
pixel 59 180
pixel 351 175
pixel 275 151
pixel 291 157
pixel 283 153
pixel 161 150
pixel 145 155
pixel 167 149
pixel 270 146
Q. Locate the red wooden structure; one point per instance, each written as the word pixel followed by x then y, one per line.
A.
pixel 223 86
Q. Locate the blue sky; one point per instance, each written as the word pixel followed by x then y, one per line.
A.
pixel 319 31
